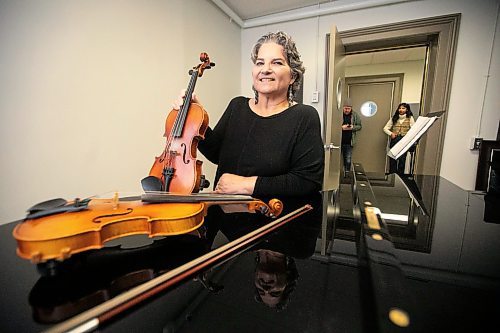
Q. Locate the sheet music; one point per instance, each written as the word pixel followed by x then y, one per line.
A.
pixel 416 131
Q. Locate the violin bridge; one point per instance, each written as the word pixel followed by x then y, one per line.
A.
pixel 116 199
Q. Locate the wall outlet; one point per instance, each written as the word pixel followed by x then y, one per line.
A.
pixel 475 143
pixel 315 97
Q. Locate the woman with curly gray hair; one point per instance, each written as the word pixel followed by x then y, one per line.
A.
pixel 291 55
pixel 268 145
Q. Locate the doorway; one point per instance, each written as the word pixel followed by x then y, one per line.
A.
pixel 376 83
pixel 439 35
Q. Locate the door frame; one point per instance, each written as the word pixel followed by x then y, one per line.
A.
pixel 440 34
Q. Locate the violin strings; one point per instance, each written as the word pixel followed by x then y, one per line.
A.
pixel 181 114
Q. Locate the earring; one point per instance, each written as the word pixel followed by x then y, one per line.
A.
pixel 256 93
pixel 290 95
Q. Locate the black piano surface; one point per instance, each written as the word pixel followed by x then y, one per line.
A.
pixel 439 261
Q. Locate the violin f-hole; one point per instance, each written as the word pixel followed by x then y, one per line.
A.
pixel 183 145
pixel 97 219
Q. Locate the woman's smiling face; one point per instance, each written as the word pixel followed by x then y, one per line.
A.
pixel 271 73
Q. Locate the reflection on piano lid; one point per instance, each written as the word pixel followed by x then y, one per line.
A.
pixel 88 279
pixel 414 192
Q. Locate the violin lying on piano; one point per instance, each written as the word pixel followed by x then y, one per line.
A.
pixel 57 228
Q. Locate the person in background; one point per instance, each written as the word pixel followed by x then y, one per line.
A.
pixel 396 128
pixel 351 123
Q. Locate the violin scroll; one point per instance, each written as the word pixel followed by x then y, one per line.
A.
pixel 272 209
pixel 205 64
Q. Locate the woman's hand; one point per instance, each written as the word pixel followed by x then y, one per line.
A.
pixel 179 101
pixel 234 184
pixel 393 135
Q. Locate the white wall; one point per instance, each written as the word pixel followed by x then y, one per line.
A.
pixel 413 72
pixel 467 117
pixel 85 87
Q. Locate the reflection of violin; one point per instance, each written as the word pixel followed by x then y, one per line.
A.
pixel 56 229
pixel 176 170
pixel 104 313
pixel 91 278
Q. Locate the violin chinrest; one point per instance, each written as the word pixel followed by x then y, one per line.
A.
pixel 48 204
pixel 54 206
pixel 151 183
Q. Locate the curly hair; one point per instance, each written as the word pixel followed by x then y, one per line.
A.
pixel 292 56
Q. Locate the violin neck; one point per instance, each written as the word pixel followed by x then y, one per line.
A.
pixel 161 197
pixel 181 116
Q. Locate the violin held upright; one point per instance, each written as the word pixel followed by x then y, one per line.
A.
pixel 177 170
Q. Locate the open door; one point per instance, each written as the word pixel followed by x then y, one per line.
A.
pixel 333 110
pixel 332 132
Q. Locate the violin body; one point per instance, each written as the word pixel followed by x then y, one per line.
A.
pixel 181 155
pixel 61 235
pixel 58 232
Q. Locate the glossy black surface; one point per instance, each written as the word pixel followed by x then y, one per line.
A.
pixel 448 257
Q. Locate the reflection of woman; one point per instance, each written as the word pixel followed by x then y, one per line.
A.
pixel 275 278
pixel 396 128
pixel 275 275
pixel 268 145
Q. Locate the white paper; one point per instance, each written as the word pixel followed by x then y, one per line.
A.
pixel 416 131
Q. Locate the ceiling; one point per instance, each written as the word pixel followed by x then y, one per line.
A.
pixel 247 10
pixel 256 8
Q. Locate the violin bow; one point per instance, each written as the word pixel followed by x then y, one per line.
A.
pixel 91 319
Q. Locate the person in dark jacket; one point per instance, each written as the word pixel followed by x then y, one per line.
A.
pixel 351 124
